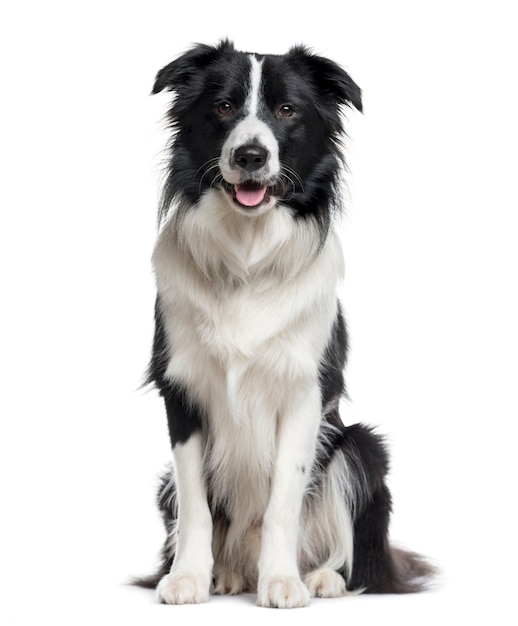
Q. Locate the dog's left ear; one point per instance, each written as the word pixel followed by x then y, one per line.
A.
pixel 330 79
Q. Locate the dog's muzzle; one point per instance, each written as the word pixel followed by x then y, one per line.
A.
pixel 251 161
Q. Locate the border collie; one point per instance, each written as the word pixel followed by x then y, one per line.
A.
pixel 269 491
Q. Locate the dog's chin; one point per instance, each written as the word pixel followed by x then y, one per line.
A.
pixel 250 197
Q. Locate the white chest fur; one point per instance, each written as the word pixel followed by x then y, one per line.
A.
pixel 248 305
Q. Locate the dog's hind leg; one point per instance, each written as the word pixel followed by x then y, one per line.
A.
pixel 346 518
pixel 377 567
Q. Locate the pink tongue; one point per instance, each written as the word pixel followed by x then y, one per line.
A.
pixel 250 195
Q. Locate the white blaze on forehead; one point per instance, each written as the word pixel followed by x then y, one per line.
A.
pixel 255 85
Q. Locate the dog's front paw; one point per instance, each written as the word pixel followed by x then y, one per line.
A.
pixel 282 593
pixel 183 588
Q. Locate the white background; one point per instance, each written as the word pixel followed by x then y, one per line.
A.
pixel 430 293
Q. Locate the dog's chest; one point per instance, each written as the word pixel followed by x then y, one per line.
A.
pixel 241 302
pixel 227 353
pixel 240 347
pixel 237 344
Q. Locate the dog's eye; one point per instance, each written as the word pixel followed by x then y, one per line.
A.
pixel 286 110
pixel 224 108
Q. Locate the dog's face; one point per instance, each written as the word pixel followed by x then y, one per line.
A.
pixel 260 128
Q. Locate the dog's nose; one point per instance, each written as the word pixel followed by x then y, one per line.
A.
pixel 251 157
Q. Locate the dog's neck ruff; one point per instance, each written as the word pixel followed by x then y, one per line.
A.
pixel 223 246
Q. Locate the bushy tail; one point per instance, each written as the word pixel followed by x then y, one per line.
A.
pixel 408 572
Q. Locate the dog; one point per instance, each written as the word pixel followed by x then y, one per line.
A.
pixel 269 492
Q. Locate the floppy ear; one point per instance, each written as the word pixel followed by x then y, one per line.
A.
pixel 184 69
pixel 331 80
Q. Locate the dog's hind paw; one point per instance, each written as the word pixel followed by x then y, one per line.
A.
pixel 282 593
pixel 183 588
pixel 227 582
pixel 325 583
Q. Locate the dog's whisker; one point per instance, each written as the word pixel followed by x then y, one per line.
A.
pixel 217 180
pixel 286 181
pixel 209 163
pixel 207 167
pixel 292 173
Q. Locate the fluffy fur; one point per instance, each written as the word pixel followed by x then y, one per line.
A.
pixel 269 491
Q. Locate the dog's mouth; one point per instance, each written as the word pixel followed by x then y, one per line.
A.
pixel 249 194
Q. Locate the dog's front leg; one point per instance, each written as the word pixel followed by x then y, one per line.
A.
pixel 279 583
pixel 191 574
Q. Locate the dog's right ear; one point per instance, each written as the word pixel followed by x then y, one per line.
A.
pixel 183 70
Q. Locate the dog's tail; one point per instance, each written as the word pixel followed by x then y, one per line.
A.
pixel 151 581
pixel 408 572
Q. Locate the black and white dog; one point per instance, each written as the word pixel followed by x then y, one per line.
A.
pixel 270 492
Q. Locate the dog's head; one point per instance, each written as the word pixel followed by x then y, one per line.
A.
pixel 260 128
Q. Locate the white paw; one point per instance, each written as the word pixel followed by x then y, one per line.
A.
pixel 282 593
pixel 325 583
pixel 183 588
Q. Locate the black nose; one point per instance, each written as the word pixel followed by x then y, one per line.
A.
pixel 250 157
